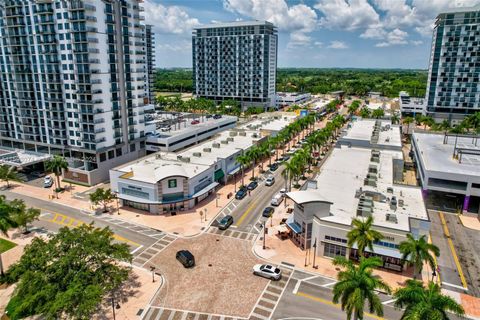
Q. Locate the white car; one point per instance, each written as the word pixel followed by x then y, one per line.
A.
pixel 47 182
pixel 267 271
pixel 282 192
pixel 270 181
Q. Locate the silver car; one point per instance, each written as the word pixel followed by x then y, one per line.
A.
pixel 267 271
pixel 269 181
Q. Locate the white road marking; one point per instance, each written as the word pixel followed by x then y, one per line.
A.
pixel 136 249
pixel 389 301
pixel 328 284
pixel 454 286
pixel 297 286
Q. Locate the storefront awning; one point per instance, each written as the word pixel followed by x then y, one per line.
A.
pixel 295 227
pixel 382 251
pixel 136 199
pixel 219 174
pixel 232 172
pixel 205 190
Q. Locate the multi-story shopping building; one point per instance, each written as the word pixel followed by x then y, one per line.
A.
pixel 453 90
pixel 73 82
pixel 150 46
pixel 236 60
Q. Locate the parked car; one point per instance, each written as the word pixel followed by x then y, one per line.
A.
pixel 165 129
pixel 208 116
pixel 186 258
pixel 47 182
pixel 267 212
pixel 252 185
pixel 277 199
pixel 225 222
pixel 241 194
pixel 267 271
pixel 282 192
pixel 217 116
pixel 195 122
pixel 270 181
pixel 286 157
pixel 273 167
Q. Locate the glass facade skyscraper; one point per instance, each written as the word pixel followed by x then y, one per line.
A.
pixel 453 90
pixel 236 61
pixel 74 81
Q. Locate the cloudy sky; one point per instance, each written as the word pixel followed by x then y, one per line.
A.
pixel 312 33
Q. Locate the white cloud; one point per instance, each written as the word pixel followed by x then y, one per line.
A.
pixel 394 37
pixel 347 14
pixel 374 32
pixel 169 19
pixel 337 45
pixel 416 42
pixel 298 19
pixel 318 44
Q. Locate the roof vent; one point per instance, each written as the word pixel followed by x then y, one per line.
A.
pixel 391 217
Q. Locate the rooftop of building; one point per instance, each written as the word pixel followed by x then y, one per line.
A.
pixel 341 182
pixel 21 158
pixel 275 121
pixel 459 10
pixel 292 94
pixel 438 156
pixel 388 134
pixel 235 24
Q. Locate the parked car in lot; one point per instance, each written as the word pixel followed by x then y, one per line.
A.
pixel 186 258
pixel 208 116
pixel 282 192
pixel 277 199
pixel 252 185
pixel 267 271
pixel 225 222
pixel 195 122
pixel 267 212
pixel 273 167
pixel 241 194
pixel 270 181
pixel 165 129
pixel 217 116
pixel 47 182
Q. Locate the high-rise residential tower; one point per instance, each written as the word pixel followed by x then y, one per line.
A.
pixel 453 90
pixel 150 51
pixel 73 81
pixel 236 60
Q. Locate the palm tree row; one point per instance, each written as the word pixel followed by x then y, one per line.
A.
pixel 470 124
pixel 356 285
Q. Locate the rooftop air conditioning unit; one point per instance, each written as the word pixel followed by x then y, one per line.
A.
pixel 224 142
pixel 207 150
pixel 233 133
pixel 391 217
pixel 242 133
pixel 185 159
pixel 389 190
pixel 230 139
pixel 197 154
pixel 254 135
pixel 216 145
pixel 369 182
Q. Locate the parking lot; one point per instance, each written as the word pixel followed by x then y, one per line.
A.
pixel 221 282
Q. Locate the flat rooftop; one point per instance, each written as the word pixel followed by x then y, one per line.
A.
pixel 269 123
pixel 341 177
pixel 362 130
pixel 437 156
pixel 20 157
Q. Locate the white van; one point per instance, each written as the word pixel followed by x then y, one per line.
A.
pixel 277 199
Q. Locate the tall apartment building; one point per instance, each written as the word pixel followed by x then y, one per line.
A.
pixel 72 81
pixel 150 51
pixel 236 60
pixel 453 90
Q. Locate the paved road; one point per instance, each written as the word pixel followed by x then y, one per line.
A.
pixel 54 216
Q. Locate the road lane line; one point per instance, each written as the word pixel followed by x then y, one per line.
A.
pixel 454 253
pixel 389 301
pixel 297 286
pixel 136 249
pixel 453 285
pixel 245 214
pixel 324 301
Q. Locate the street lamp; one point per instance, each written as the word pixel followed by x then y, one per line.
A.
pixel 314 253
pixel 264 234
pixel 216 199
pixel 118 207
pixel 152 268
pixel 205 214
pixel 114 306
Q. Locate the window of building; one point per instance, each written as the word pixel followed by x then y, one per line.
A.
pixel 119 152
pixel 133 147
pixel 103 157
pixel 172 183
pixel 333 250
pixel 111 154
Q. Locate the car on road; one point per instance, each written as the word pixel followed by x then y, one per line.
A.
pixel 282 191
pixel 225 222
pixel 273 167
pixel 47 182
pixel 186 258
pixel 284 158
pixel 195 122
pixel 252 185
pixel 270 181
pixel 267 271
pixel 267 212
pixel 277 199
pixel 217 116
pixel 241 194
pixel 208 116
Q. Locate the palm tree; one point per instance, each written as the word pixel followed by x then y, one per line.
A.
pixel 7 222
pixel 395 118
pixel 418 251
pixel 291 168
pixel 8 173
pixel 56 164
pixel 407 121
pixel 427 121
pixel 363 235
pixel 365 112
pixel 378 113
pixel 253 155
pixel 427 303
pixel 357 285
pixel 243 160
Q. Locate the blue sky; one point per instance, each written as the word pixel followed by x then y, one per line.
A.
pixel 312 33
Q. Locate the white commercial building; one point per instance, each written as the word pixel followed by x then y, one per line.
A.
pixel 449 165
pixel 410 106
pixel 285 99
pixel 357 181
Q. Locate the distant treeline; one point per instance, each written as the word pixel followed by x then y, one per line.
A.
pixel 352 81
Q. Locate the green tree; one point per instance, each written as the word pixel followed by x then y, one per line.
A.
pixel 427 303
pixel 378 113
pixel 395 118
pixel 363 235
pixel 365 112
pixel 7 222
pixel 22 215
pixel 8 173
pixel 102 196
pixel 56 165
pixel 68 275
pixel 243 160
pixel 356 286
pixel 418 251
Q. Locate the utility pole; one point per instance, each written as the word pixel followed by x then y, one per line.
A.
pixel 264 234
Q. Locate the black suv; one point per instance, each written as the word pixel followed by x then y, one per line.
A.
pixel 252 185
pixel 241 194
pixel 186 258
pixel 267 212
pixel 225 222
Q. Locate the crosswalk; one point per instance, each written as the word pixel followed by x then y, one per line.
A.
pixel 270 297
pixel 157 313
pixel 232 233
pixel 150 232
pixel 142 258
